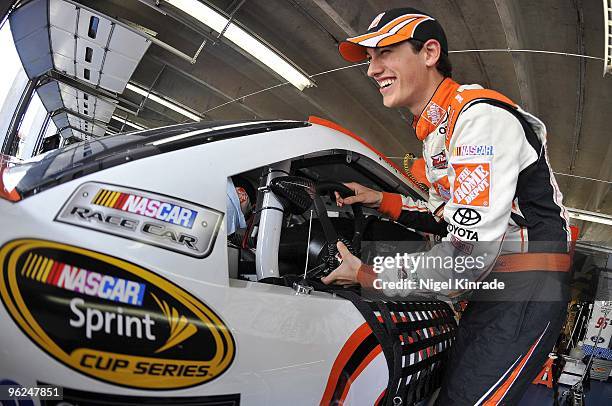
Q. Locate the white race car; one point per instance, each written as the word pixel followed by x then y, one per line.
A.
pixel 120 285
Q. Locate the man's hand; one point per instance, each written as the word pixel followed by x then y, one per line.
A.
pixel 364 195
pixel 346 273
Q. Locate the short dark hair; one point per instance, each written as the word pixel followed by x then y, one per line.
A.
pixel 443 66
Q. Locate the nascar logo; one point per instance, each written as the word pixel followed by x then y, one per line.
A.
pixel 147 207
pixel 74 279
pixel 473 150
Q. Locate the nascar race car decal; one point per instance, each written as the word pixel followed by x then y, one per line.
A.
pixel 110 319
pixel 151 218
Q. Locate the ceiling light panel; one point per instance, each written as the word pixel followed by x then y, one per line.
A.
pixel 62 15
pixel 112 83
pixel 63 42
pixel 62 28
pixel 128 43
pixel 119 66
pixel 244 40
pixel 171 104
pixel 64 64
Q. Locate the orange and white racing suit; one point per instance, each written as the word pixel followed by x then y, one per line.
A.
pixel 492 184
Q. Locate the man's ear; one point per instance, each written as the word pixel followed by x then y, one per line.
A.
pixel 432 52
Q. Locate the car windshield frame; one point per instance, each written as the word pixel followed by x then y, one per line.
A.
pixel 88 157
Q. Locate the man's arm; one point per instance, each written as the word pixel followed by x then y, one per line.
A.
pixel 413 213
pixel 403 209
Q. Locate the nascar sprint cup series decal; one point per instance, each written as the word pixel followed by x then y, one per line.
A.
pixel 110 319
pixel 154 219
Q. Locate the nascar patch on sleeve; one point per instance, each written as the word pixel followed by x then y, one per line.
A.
pixel 472 184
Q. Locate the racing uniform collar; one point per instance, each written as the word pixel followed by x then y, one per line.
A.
pixel 436 110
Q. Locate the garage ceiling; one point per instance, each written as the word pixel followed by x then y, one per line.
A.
pixel 568 93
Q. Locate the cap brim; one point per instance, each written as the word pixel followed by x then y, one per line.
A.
pixel 352 52
pixel 354 49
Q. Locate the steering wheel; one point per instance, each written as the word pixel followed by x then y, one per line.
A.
pixel 331 257
pixel 297 193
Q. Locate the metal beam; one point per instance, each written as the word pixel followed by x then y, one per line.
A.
pixel 77 130
pixel 335 17
pixel 41 134
pixel 79 115
pixel 580 86
pixel 510 18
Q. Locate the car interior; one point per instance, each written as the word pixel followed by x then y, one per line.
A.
pixel 312 221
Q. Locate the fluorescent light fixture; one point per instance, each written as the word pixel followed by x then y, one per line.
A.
pixel 244 40
pixel 131 124
pixel 593 217
pixel 163 102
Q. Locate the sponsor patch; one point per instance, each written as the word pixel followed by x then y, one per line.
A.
pixel 466 217
pixel 462 246
pixel 434 113
pixel 443 192
pixel 442 186
pixel 438 161
pixel 474 150
pixel 462 232
pixel 147 334
pixel 472 183
pixel 151 218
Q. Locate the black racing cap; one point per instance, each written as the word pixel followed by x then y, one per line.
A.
pixel 392 27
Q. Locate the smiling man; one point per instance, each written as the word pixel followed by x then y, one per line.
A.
pixel 493 191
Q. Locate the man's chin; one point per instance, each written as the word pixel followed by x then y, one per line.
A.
pixel 390 103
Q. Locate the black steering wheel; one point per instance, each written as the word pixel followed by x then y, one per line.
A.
pixel 297 194
pixel 330 255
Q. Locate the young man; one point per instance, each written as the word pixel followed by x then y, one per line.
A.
pixel 492 185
